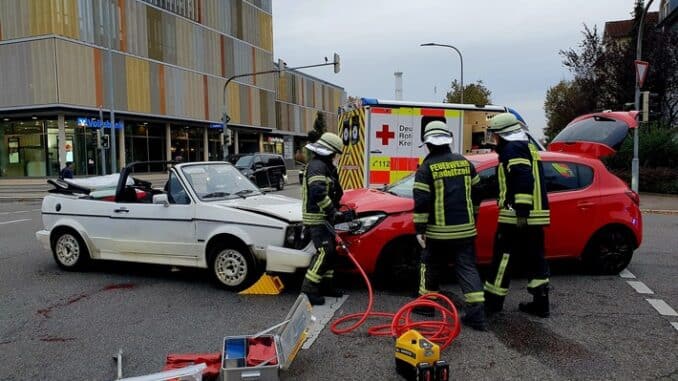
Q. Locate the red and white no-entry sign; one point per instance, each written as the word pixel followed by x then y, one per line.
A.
pixel 641 71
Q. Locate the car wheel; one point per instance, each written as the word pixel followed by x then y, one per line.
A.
pixel 609 251
pixel 233 268
pixel 398 265
pixel 69 250
pixel 281 184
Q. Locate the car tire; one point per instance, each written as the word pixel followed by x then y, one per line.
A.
pixel 398 265
pixel 609 251
pixel 281 183
pixel 232 267
pixel 69 250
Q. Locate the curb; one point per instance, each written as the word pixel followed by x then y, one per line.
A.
pixel 659 211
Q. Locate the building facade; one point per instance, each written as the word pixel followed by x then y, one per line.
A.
pixel 161 65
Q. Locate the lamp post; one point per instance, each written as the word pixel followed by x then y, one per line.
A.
pixel 281 68
pixel 460 140
pixel 639 48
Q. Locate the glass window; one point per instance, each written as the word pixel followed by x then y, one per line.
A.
pixel 488 187
pixel 564 176
pixel 23 149
pixel 216 181
pixel 597 130
pixel 176 194
pixel 245 162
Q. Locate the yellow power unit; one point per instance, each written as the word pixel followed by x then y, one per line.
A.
pixel 412 349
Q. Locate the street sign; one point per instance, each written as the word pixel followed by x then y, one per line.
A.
pixel 641 71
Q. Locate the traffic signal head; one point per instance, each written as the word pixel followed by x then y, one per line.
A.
pixel 105 142
pixel 336 63
pixel 228 137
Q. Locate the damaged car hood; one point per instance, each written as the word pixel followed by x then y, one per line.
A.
pixel 280 207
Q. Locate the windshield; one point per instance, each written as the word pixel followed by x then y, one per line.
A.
pixel 213 182
pixel 402 188
pixel 244 162
pixel 597 129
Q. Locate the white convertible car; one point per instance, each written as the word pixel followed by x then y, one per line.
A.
pixel 208 215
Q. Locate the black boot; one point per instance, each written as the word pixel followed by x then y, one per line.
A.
pixel 539 306
pixel 475 317
pixel 312 291
pixel 327 289
pixel 494 304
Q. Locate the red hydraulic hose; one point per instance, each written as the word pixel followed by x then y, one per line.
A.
pixel 441 332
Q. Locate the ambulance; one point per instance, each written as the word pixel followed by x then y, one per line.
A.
pixel 382 138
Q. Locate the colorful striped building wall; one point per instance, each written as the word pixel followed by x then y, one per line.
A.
pixel 164 64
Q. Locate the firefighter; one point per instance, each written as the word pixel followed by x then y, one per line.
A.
pixel 321 194
pixel 444 219
pixel 523 213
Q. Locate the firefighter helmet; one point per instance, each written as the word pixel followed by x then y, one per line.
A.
pixel 331 141
pixel 436 133
pixel 504 123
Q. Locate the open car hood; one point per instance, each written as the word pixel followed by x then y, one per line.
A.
pixel 596 135
pixel 372 200
pixel 279 207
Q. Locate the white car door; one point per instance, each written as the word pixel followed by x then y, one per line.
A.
pixel 156 233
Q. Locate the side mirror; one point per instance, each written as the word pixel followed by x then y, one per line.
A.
pixel 161 199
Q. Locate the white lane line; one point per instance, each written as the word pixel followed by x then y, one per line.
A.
pixel 323 315
pixel 662 307
pixel 640 287
pixel 19 212
pixel 675 325
pixel 11 222
pixel 627 274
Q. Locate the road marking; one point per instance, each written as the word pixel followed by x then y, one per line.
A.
pixel 19 212
pixel 11 222
pixel 640 287
pixel 662 307
pixel 675 325
pixel 627 274
pixel 323 314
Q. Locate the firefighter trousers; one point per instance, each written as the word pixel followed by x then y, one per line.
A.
pixel 511 244
pixel 324 260
pixel 435 258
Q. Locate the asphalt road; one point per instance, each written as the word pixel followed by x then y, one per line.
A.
pixel 66 326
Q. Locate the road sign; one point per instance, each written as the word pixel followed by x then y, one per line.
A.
pixel 641 71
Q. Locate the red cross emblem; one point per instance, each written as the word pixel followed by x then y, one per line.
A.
pixel 385 134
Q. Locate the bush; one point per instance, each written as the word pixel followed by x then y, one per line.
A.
pixel 654 180
pixel 657 147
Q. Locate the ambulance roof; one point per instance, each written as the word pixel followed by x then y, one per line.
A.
pixel 382 102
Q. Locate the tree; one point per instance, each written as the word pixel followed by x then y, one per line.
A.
pixel 319 126
pixel 564 102
pixel 474 93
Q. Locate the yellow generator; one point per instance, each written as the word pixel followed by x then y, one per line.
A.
pixel 417 358
pixel 382 138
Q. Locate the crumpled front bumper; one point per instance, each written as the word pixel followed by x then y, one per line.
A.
pixel 43 237
pixel 284 260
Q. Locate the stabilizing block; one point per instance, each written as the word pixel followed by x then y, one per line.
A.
pixel 266 285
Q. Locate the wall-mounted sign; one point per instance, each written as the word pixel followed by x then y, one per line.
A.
pixel 216 126
pixel 96 123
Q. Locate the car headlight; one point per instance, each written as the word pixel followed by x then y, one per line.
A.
pixel 361 225
pixel 295 237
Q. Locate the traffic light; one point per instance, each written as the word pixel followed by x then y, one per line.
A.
pixel 228 137
pixel 105 142
pixel 282 66
pixel 336 63
pixel 650 106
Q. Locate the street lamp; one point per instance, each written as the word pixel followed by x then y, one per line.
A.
pixel 639 48
pixel 461 59
pixel 461 118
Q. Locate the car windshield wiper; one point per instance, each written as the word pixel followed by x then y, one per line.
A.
pixel 243 192
pixel 216 194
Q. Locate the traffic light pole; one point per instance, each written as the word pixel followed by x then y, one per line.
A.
pixel 639 48
pixel 225 118
pixel 102 151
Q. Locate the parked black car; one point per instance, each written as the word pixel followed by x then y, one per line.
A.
pixel 267 170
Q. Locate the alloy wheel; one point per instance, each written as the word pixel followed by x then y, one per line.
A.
pixel 230 267
pixel 67 249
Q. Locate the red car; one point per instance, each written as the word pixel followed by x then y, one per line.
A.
pixel 594 214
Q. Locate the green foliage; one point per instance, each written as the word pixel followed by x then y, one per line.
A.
pixel 564 102
pixel 474 93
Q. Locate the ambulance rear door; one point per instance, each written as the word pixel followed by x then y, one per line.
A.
pixel 392 141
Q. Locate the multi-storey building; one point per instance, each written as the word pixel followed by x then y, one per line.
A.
pixel 161 65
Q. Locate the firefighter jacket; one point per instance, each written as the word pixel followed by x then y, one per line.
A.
pixel 443 205
pixel 522 192
pixel 320 191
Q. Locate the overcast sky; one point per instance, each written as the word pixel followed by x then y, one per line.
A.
pixel 512 46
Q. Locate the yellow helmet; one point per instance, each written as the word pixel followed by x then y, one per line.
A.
pixel 331 142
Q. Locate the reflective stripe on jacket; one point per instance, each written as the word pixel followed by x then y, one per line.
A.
pixel 320 191
pixel 443 205
pixel 522 192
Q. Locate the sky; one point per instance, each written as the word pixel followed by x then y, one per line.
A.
pixel 512 46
